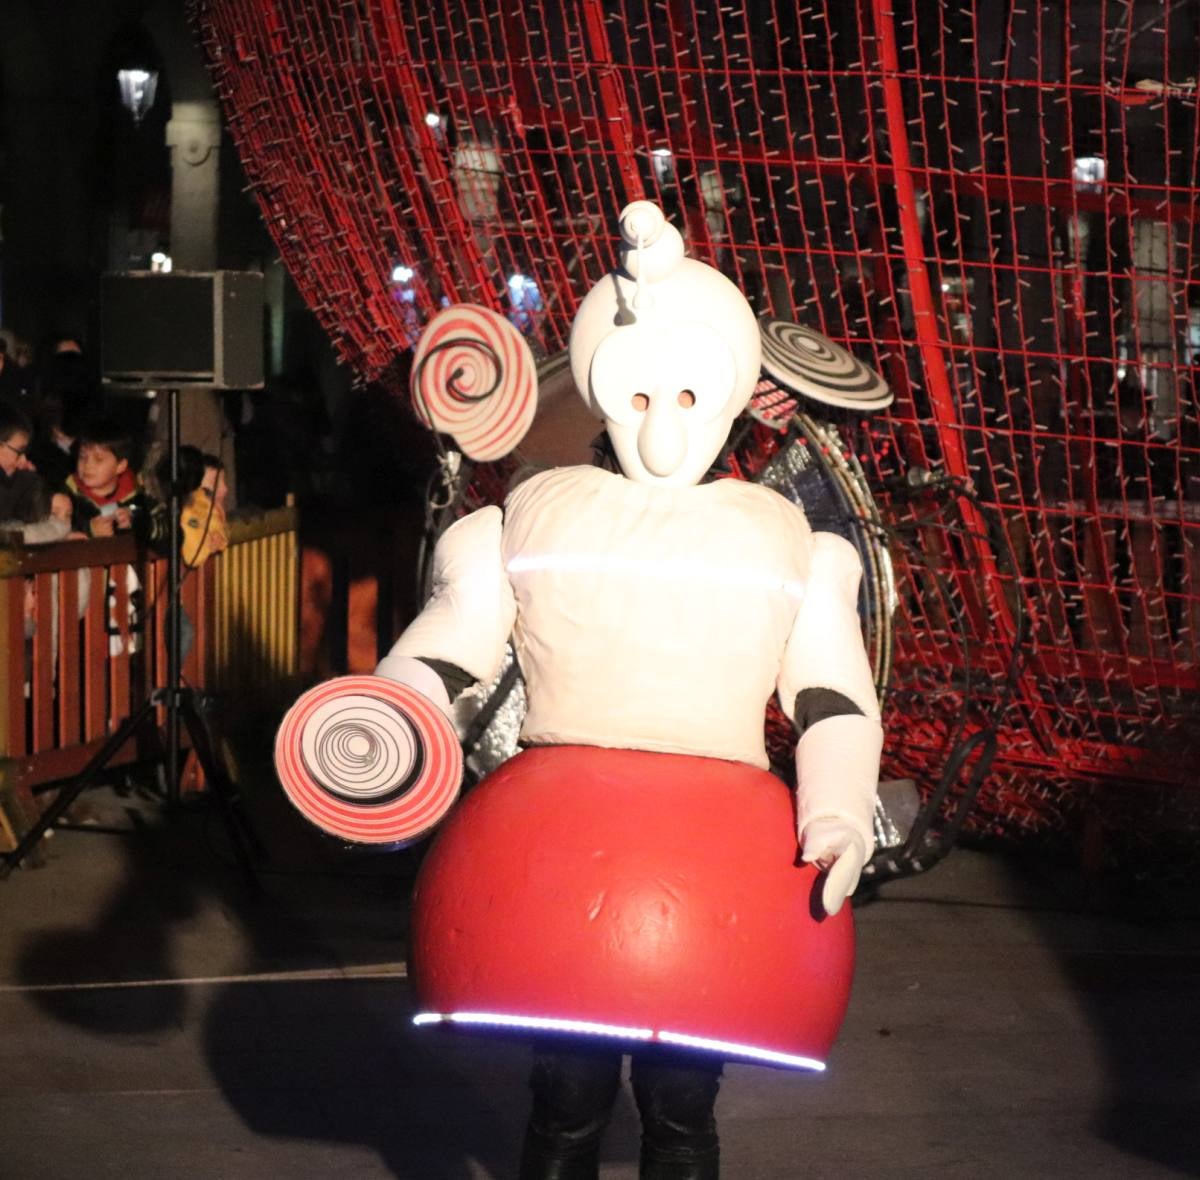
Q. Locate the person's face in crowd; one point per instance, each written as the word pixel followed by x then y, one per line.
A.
pixel 98 469
pixel 214 483
pixel 12 452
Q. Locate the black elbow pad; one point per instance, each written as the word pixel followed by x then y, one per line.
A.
pixel 815 704
pixel 452 676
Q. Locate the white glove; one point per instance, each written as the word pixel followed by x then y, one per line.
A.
pixel 837 772
pixel 837 848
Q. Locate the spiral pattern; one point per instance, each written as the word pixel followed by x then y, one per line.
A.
pixel 474 379
pixel 368 760
pixel 809 363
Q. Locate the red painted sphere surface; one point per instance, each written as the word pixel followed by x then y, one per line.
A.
pixel 650 891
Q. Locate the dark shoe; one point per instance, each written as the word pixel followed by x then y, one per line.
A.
pixel 541 1161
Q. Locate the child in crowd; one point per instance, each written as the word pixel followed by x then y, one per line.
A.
pixel 202 495
pixel 24 504
pixel 202 526
pixel 108 498
pixel 106 495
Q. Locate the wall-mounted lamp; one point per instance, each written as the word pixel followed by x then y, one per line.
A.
pixel 137 91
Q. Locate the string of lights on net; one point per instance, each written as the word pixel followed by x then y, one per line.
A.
pixel 991 205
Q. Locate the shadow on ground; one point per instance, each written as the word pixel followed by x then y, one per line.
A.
pixel 326 1055
pixel 1134 976
pixel 1027 1011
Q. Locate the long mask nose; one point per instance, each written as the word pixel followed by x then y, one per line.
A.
pixel 662 437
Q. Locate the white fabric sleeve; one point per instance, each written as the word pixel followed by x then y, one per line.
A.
pixel 837 774
pixel 43 532
pixel 419 675
pixel 40 532
pixel 471 612
pixel 837 759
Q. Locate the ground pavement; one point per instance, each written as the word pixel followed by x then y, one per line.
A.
pixel 1008 1019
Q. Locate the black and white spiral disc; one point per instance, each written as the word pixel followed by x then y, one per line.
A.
pixel 808 363
pixel 368 760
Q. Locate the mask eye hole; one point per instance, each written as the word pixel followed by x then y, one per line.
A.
pixel 686 398
pixel 640 402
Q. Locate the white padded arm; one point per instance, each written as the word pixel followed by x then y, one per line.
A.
pixel 470 614
pixel 419 675
pixel 837 759
pixel 837 774
pixel 825 648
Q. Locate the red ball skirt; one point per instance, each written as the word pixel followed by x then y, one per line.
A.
pixel 635 896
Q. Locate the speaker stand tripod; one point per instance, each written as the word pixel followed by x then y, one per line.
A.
pixel 180 704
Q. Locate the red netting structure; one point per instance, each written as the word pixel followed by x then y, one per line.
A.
pixel 993 204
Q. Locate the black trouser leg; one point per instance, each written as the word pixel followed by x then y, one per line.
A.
pixel 675 1095
pixel 573 1095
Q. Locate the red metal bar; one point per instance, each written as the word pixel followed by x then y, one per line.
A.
pixel 618 120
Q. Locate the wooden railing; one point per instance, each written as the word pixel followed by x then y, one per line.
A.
pixel 359 587
pixel 253 649
pixel 82 643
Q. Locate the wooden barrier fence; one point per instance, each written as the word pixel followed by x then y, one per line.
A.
pixel 82 643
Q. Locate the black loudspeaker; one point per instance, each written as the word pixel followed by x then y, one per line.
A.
pixel 182 328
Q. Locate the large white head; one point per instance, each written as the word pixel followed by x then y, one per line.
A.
pixel 666 350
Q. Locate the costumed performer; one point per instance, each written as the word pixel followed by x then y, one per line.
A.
pixel 629 880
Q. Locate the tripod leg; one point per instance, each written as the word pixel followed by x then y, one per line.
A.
pixel 68 794
pixel 247 847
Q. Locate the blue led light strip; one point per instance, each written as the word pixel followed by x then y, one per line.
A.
pixel 592 1028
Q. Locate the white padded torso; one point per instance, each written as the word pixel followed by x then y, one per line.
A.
pixel 648 617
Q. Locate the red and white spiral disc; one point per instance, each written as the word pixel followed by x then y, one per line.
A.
pixel 369 760
pixel 474 379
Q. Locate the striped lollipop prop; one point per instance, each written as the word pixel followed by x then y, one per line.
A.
pixel 474 379
pixel 368 760
pixel 808 363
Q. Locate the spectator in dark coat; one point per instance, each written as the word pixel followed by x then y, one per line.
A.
pixel 24 502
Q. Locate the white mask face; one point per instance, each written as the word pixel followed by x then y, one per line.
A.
pixel 667 351
pixel 664 390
